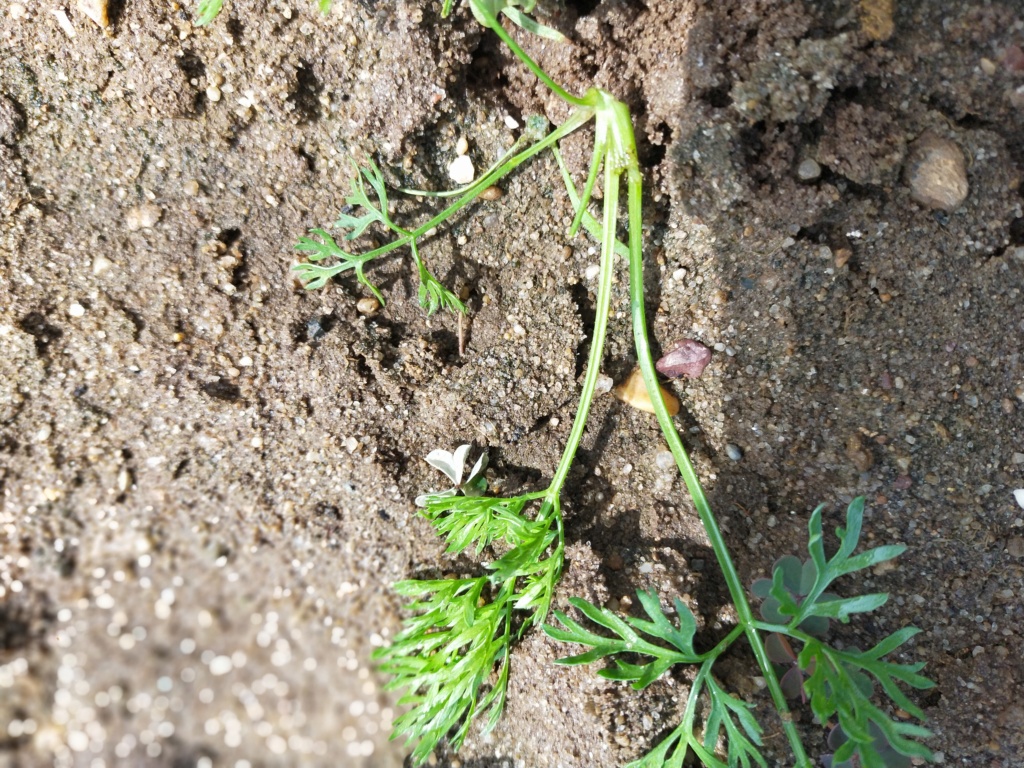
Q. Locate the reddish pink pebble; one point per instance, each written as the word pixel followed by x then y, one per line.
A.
pixel 685 357
pixel 902 483
pixel 1013 58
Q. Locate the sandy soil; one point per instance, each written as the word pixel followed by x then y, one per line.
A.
pixel 207 473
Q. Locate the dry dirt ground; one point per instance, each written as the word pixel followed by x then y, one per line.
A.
pixel 207 473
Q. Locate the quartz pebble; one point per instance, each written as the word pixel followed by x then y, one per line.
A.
pixel 808 170
pixel 142 217
pixel 733 451
pixel 633 392
pixel 461 170
pixel 95 10
pixel 665 460
pixel 936 173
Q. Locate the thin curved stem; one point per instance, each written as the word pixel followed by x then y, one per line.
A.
pixel 604 296
pixel 743 610
pixel 494 24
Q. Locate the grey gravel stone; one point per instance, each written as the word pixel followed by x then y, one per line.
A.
pixel 808 170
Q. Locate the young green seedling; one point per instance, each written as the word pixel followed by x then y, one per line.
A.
pixel 452 657
pixel 838 684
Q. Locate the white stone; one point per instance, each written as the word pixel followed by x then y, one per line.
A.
pixel 461 170
pixel 95 10
pixel 142 217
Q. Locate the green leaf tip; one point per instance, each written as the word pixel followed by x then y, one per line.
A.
pixel 207 11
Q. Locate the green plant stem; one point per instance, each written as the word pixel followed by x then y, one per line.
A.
pixel 744 612
pixel 494 24
pixel 472 192
pixel 551 507
pixel 604 296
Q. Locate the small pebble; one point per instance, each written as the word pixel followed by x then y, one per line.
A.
pixel 877 18
pixel 1015 546
pixel 684 357
pixel 1019 496
pixel 733 451
pixel 95 10
pixel 1018 458
pixel 461 170
pixel 461 146
pixel 491 193
pixel 936 173
pixel 859 456
pixel 633 392
pixel 213 93
pixel 604 384
pixel 511 123
pixel 64 22
pixel 808 170
pixel 615 562
pixel 1013 58
pixel 367 306
pixel 142 217
pixel 191 188
pixel 101 264
pixel 665 460
pixel 76 310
